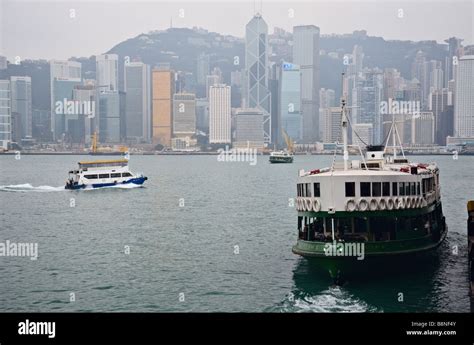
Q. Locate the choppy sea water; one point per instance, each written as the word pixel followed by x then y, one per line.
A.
pixel 202 235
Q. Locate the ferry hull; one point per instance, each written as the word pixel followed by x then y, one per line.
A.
pixel 281 159
pixel 378 258
pixel 136 181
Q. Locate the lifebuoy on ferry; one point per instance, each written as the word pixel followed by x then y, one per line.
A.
pixel 382 204
pixel 408 202
pixel 298 204
pixel 396 203
pixel 309 204
pixel 363 205
pixel 419 202
pixel 316 205
pixel 351 205
pixel 390 204
pixel 373 205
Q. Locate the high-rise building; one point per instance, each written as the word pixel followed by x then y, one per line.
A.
pixel 107 72
pixel 202 115
pixel 364 134
pixel 249 129
pixel 464 98
pixel 422 128
pixel 202 68
pixel 111 117
pixel 219 114
pixel 306 55
pixel 64 76
pixel 333 127
pixel 5 114
pixel 290 101
pixel 256 93
pixel 21 104
pixel 454 48
pixel 211 80
pixel 85 125
pixel 441 104
pixel 163 90
pixel 137 86
pixel 184 114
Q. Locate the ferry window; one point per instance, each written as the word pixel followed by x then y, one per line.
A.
pixel 104 175
pixel 394 189
pixel 407 188
pixel 413 188
pixel 424 186
pixel 115 175
pixel 365 189
pixel 386 188
pixel 350 189
pixel 418 188
pixel 90 177
pixel 376 189
pixel 401 188
pixel 126 174
pixel 317 190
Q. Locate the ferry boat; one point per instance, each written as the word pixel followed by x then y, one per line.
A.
pixel 103 173
pixel 363 214
pixel 281 157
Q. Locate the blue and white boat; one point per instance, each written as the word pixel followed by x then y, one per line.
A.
pixel 103 173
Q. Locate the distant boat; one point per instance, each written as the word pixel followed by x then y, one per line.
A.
pixel 283 156
pixel 103 173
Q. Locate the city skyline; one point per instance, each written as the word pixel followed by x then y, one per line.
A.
pixel 393 21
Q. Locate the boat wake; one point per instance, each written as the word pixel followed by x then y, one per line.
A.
pixel 332 300
pixel 26 187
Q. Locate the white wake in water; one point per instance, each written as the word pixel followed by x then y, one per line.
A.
pixel 26 187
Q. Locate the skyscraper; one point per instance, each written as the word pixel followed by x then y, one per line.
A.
pixel 107 72
pixel 5 114
pixel 163 90
pixel 441 105
pixel 464 98
pixel 137 101
pixel 306 55
pixel 249 130
pixel 219 114
pixel 85 126
pixel 290 101
pixel 64 76
pixel 184 114
pixel 202 68
pixel 257 94
pixel 110 116
pixel 21 103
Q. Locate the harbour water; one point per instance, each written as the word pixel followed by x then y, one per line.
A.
pixel 201 235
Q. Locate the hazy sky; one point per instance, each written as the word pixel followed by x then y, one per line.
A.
pixel 48 29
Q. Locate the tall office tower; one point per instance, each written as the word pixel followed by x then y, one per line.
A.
pixel 422 128
pixel 202 115
pixel 357 59
pixel 274 88
pixel 257 95
pixel 212 80
pixel 364 134
pixel 436 78
pixel 392 82
pixel 184 114
pixel 369 96
pixel 3 62
pixel 137 85
pixel 236 78
pixel 107 72
pixel 5 114
pixel 464 98
pixel 87 123
pixel 111 117
pixel 202 68
pixel 441 104
pixel 162 95
pixel 454 52
pixel 419 71
pixel 306 55
pixel 327 98
pixel 64 76
pixel 332 130
pixel 21 104
pixel 219 114
pixel 249 129
pixel 290 101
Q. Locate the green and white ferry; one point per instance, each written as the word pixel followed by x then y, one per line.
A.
pixel 361 215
